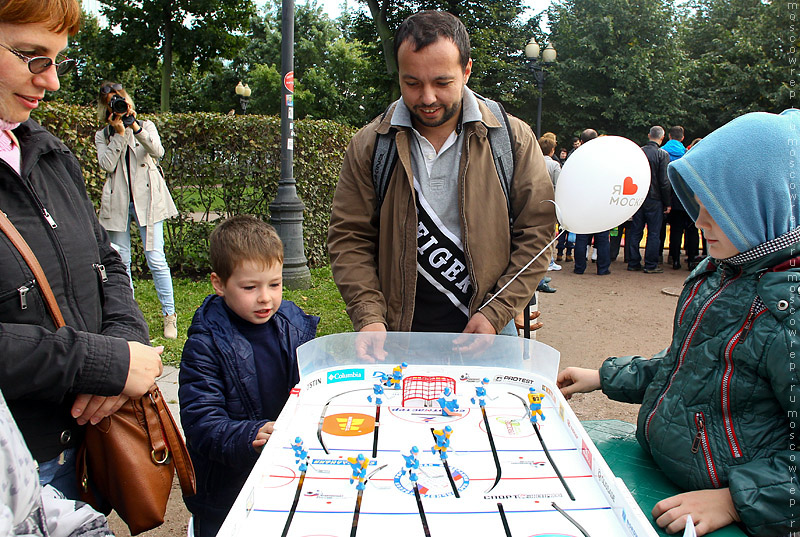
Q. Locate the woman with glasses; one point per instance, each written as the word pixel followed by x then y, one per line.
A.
pixel 57 379
pixel 128 150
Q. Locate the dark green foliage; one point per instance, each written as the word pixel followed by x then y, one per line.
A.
pixel 739 58
pixel 219 165
pixel 617 69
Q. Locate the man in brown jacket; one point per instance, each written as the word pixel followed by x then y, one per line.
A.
pixel 440 244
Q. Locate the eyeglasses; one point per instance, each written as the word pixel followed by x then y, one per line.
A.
pixel 108 88
pixel 39 64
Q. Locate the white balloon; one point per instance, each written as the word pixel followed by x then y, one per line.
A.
pixel 602 184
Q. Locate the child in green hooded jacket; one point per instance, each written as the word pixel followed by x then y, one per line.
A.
pixel 720 405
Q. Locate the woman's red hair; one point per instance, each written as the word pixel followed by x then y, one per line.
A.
pixel 57 15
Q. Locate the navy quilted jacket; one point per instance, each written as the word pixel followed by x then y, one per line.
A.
pixel 718 405
pixel 219 399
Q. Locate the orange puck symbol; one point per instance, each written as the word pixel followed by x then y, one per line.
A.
pixel 348 424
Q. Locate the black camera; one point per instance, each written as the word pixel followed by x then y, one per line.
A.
pixel 119 105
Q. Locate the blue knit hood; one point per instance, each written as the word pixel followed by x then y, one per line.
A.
pixel 747 176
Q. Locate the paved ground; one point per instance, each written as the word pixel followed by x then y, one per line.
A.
pixel 589 318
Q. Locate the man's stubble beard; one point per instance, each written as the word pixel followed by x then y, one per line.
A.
pixel 449 113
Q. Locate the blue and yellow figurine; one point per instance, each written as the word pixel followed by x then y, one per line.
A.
pixel 535 402
pixel 442 441
pixel 359 466
pixel 396 380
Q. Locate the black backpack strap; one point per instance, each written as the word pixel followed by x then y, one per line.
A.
pixel 384 159
pixel 502 144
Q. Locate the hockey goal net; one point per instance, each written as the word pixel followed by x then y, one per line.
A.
pixel 424 389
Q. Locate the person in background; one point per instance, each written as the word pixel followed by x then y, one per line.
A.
pixel 681 226
pixel 128 150
pixel 239 364
pixel 56 380
pixel 601 240
pixel 717 406
pixel 653 209
pixel 548 145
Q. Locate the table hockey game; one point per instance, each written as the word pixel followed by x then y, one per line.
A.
pixel 449 435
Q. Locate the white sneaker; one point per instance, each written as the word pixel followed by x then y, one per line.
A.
pixel 553 266
pixel 171 326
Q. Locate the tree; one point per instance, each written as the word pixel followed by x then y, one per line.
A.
pixel 497 36
pixel 330 71
pixel 617 66
pixel 189 31
pixel 738 60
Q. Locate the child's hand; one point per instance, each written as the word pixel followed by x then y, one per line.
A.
pixel 263 435
pixel 711 509
pixel 578 380
pixel 519 320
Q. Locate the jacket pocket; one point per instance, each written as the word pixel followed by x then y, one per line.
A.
pixel 22 304
pixel 701 445
pixel 106 198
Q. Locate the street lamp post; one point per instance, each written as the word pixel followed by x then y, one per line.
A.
pixel 286 210
pixel 537 66
pixel 243 91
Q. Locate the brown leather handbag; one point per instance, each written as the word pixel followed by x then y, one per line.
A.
pixel 127 461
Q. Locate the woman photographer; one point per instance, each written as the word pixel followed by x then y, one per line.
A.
pixel 57 379
pixel 129 149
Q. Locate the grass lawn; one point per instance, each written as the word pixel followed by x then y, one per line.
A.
pixel 321 299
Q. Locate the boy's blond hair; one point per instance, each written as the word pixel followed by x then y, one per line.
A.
pixel 243 238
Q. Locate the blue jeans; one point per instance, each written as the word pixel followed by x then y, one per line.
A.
pixel 651 213
pixel 601 244
pixel 60 473
pixel 156 260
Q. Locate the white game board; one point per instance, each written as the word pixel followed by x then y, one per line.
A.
pixel 511 488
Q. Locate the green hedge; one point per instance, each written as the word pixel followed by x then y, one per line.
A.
pixel 218 164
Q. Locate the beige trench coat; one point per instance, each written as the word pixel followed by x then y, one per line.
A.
pixel 151 198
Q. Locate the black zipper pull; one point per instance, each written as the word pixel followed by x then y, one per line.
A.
pixel 23 299
pixel 748 324
pixel 698 418
pixel 102 270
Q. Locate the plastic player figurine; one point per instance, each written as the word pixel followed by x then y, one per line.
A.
pixel 359 465
pixel 396 380
pixel 442 441
pixel 377 389
pixel 480 392
pixel 300 453
pixel 535 401
pixel 412 464
pixel 448 403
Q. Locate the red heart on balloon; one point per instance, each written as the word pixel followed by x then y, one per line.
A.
pixel 629 188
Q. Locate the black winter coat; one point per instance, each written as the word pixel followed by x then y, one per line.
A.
pixel 41 368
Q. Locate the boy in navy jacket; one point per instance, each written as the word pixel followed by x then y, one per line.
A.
pixel 239 364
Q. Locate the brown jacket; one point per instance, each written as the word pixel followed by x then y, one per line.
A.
pixel 374 262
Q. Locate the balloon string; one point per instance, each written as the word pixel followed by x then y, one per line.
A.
pixel 523 269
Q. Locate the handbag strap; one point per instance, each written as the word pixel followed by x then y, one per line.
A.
pixel 177 447
pixel 30 258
